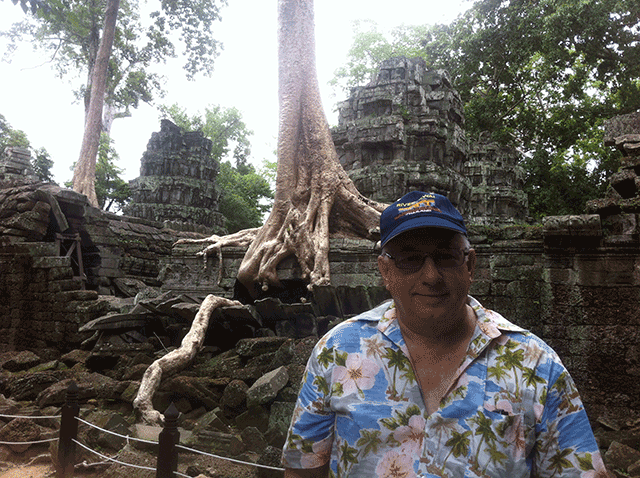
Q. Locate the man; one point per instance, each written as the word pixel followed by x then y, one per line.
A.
pixel 432 384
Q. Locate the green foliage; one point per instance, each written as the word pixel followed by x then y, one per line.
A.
pixel 539 75
pixel 42 164
pixel 70 30
pixel 33 5
pixel 113 192
pixel 40 159
pixel 269 171
pixel 371 46
pixel 242 191
pixel 561 183
pixel 246 193
pixel 11 137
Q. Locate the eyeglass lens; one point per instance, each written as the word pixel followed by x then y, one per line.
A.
pixel 441 259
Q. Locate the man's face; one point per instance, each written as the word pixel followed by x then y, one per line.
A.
pixel 435 293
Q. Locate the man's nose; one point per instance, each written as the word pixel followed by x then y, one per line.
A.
pixel 429 272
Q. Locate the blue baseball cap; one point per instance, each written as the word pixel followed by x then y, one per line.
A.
pixel 419 209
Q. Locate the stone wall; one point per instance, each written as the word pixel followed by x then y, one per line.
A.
pixel 561 281
pixel 16 165
pixel 497 185
pixel 568 282
pixel 565 284
pixel 354 274
pixel 42 304
pixel 45 233
pixel 42 299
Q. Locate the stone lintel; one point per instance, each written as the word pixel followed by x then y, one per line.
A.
pixel 583 225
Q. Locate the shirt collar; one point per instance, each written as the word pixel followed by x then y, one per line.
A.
pixel 489 325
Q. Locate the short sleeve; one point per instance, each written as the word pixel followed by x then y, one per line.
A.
pixel 565 444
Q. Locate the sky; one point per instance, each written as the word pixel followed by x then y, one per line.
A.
pixel 35 100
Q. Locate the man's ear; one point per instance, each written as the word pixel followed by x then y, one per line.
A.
pixel 384 266
pixel 471 263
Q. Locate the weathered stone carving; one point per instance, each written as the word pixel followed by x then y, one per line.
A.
pixel 404 131
pixel 620 208
pixel 15 165
pixel 177 182
pixel 497 182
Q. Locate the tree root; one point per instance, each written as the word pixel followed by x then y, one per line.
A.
pixel 176 360
pixel 301 226
pixel 238 239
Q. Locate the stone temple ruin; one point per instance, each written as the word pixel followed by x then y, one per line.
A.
pixel 16 166
pixel 405 131
pixel 177 182
pixel 112 292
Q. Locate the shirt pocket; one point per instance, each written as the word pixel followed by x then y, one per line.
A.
pixel 499 444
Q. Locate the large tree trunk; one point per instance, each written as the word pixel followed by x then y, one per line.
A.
pixel 314 196
pixel 84 174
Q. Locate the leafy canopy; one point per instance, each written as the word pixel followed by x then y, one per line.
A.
pixel 371 46
pixel 539 75
pixel 246 193
pixel 10 136
pixel 70 31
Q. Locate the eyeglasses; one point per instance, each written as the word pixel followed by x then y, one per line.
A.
pixel 442 259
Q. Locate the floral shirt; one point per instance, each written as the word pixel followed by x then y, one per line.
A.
pixel 513 410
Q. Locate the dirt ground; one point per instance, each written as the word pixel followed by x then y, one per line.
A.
pixel 43 468
pixel 28 471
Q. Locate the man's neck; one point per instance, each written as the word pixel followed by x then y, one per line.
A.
pixel 445 337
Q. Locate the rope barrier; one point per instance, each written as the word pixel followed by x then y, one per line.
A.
pixel 32 418
pixel 229 459
pixel 27 442
pixel 126 437
pixel 112 459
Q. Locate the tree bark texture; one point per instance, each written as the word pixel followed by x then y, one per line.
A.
pixel 84 174
pixel 314 196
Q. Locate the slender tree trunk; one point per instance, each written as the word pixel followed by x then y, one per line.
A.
pixel 109 115
pixel 84 174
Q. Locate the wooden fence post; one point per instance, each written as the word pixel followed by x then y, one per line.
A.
pixel 169 437
pixel 68 432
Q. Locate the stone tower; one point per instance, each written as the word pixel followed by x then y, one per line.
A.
pixel 15 165
pixel 404 131
pixel 177 182
pixel 497 181
pixel 619 210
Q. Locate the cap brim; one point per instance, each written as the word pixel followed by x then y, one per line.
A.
pixel 436 222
